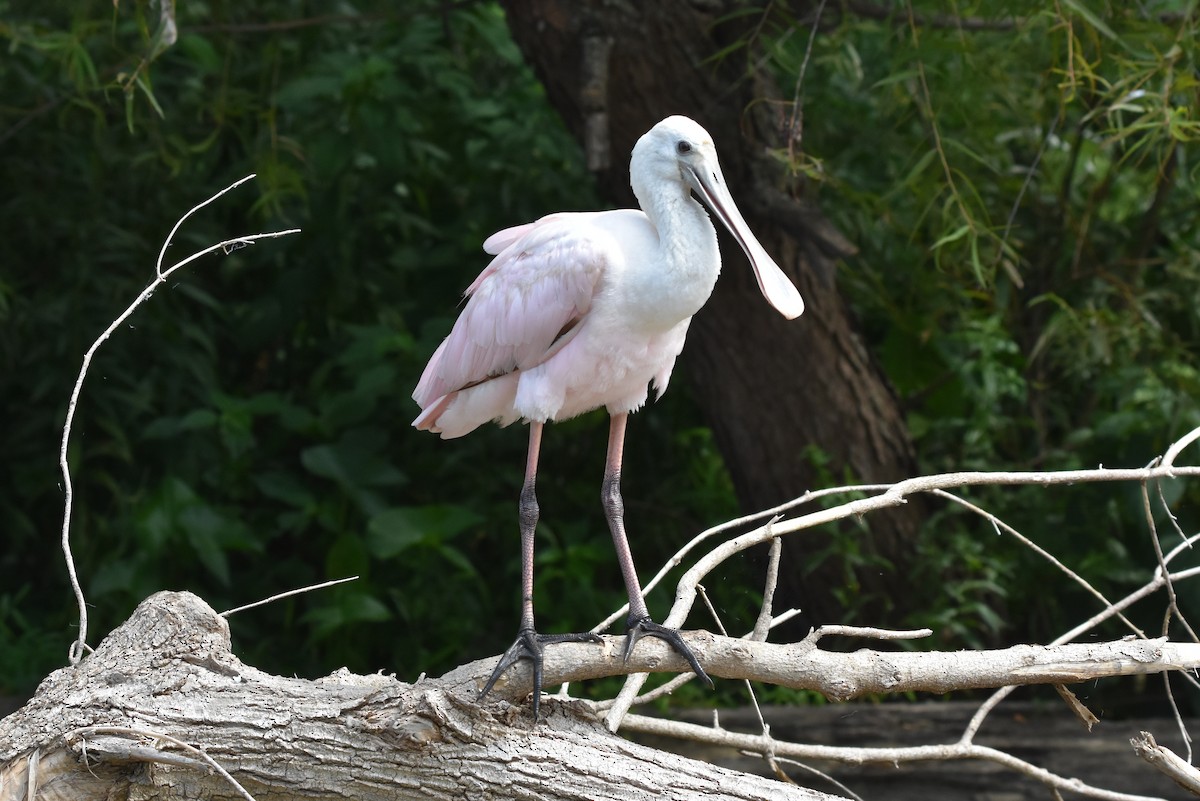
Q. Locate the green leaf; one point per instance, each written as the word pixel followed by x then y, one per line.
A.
pixel 953 236
pixel 129 111
pixel 144 85
pixel 393 531
pixel 347 556
pixel 896 77
pixel 350 608
pixel 200 52
pixel 1097 23
pixel 206 529
pixel 356 460
pixel 167 32
pixel 285 487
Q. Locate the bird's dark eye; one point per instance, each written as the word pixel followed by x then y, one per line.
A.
pixel 683 147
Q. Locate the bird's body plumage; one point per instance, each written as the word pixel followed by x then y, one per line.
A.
pixel 575 312
pixel 579 311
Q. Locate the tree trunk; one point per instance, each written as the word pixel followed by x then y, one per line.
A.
pixel 163 693
pixel 769 387
pixel 163 709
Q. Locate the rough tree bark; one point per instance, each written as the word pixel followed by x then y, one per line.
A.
pixel 168 672
pixel 768 387
pixel 163 705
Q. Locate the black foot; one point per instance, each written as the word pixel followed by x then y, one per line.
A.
pixel 529 645
pixel 636 628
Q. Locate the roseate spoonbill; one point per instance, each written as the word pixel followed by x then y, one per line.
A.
pixel 582 310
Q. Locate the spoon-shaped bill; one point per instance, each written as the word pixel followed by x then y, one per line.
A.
pixel 779 291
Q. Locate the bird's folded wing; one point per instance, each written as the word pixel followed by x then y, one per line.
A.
pixel 536 289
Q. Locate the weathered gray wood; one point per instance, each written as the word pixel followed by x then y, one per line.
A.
pixel 1167 762
pixel 169 670
pixel 1045 733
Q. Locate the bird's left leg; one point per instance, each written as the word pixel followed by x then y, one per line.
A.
pixel 638 624
pixel 529 644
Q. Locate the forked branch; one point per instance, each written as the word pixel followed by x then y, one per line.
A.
pixel 80 645
pixel 884 496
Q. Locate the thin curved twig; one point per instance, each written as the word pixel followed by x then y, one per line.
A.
pixel 80 645
pixel 774 512
pixel 894 495
pixel 287 594
pixel 999 525
pixel 920 753
pixel 125 731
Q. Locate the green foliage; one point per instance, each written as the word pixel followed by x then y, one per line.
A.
pixel 1022 193
pixel 1024 200
pixel 248 432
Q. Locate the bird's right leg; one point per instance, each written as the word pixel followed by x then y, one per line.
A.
pixel 529 644
pixel 638 624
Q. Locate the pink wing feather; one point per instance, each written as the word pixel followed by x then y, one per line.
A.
pixel 539 285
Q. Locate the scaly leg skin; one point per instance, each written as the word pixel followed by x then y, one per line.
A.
pixel 639 623
pixel 638 627
pixel 529 644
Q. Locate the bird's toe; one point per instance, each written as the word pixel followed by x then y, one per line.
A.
pixel 531 645
pixel 645 627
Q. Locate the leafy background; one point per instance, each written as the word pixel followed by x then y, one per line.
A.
pixel 1023 197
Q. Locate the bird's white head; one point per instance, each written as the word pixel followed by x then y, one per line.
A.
pixel 662 151
pixel 678 150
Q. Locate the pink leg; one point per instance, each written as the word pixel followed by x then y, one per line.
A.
pixel 529 644
pixel 638 624
pixel 614 510
pixel 529 514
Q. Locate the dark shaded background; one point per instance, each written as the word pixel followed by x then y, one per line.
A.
pixel 1031 306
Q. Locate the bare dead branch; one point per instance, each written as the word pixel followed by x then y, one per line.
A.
pixel 844 676
pixel 80 645
pixel 156 754
pixel 859 756
pixel 1077 707
pixel 1000 525
pixel 865 631
pixel 1173 610
pixel 894 495
pixel 1167 762
pixel 682 679
pixel 763 624
pixel 287 594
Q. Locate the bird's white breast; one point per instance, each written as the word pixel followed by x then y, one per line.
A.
pixel 657 284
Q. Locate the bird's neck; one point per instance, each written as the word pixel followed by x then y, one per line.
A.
pixel 683 275
pixel 687 240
